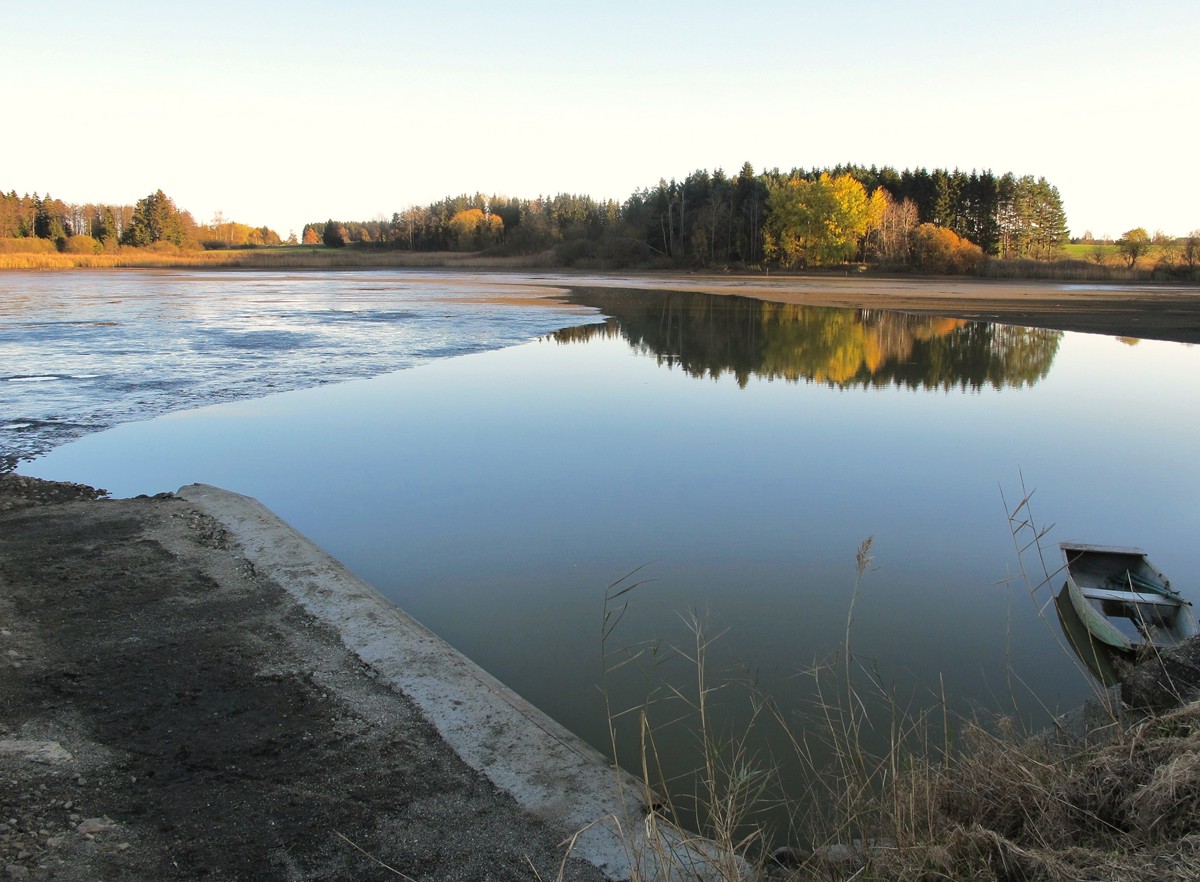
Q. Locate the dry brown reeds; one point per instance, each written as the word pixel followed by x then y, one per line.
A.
pixel 40 254
pixel 1007 807
pixel 268 259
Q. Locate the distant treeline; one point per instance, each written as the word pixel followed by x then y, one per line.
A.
pixel 81 228
pixel 935 221
pixel 805 217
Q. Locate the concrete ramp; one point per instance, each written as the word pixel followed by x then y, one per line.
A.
pixel 549 771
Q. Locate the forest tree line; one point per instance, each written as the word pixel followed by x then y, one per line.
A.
pixel 805 217
pixel 96 227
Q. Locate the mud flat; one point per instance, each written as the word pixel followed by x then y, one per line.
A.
pixel 1156 312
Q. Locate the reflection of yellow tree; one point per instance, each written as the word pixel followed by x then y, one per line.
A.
pixel 825 345
pixel 938 327
pixel 710 336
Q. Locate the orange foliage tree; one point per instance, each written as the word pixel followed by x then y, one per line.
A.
pixel 939 250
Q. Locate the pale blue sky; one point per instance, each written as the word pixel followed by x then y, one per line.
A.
pixel 286 112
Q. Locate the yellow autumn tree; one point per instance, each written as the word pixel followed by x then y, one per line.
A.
pixel 472 230
pixel 821 222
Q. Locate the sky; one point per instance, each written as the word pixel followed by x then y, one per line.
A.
pixel 283 113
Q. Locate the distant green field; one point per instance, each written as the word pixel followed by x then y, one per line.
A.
pixel 1088 252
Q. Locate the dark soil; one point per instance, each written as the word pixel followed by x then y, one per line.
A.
pixel 166 713
pixel 1165 680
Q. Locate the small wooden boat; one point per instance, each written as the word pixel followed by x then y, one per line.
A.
pixel 1115 603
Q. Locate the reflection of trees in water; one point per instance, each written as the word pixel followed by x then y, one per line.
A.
pixel 708 336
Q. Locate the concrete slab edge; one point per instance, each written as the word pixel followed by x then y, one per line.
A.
pixel 548 770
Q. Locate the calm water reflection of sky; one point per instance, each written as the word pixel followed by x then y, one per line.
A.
pixel 494 496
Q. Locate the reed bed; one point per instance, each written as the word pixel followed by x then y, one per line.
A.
pixel 270 259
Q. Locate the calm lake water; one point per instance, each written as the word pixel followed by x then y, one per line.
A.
pixel 737 452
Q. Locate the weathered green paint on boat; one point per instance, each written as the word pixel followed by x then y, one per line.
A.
pixel 1097 657
pixel 1121 603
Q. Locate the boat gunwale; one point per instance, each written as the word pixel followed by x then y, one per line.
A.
pixel 1099 625
pixel 1106 549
